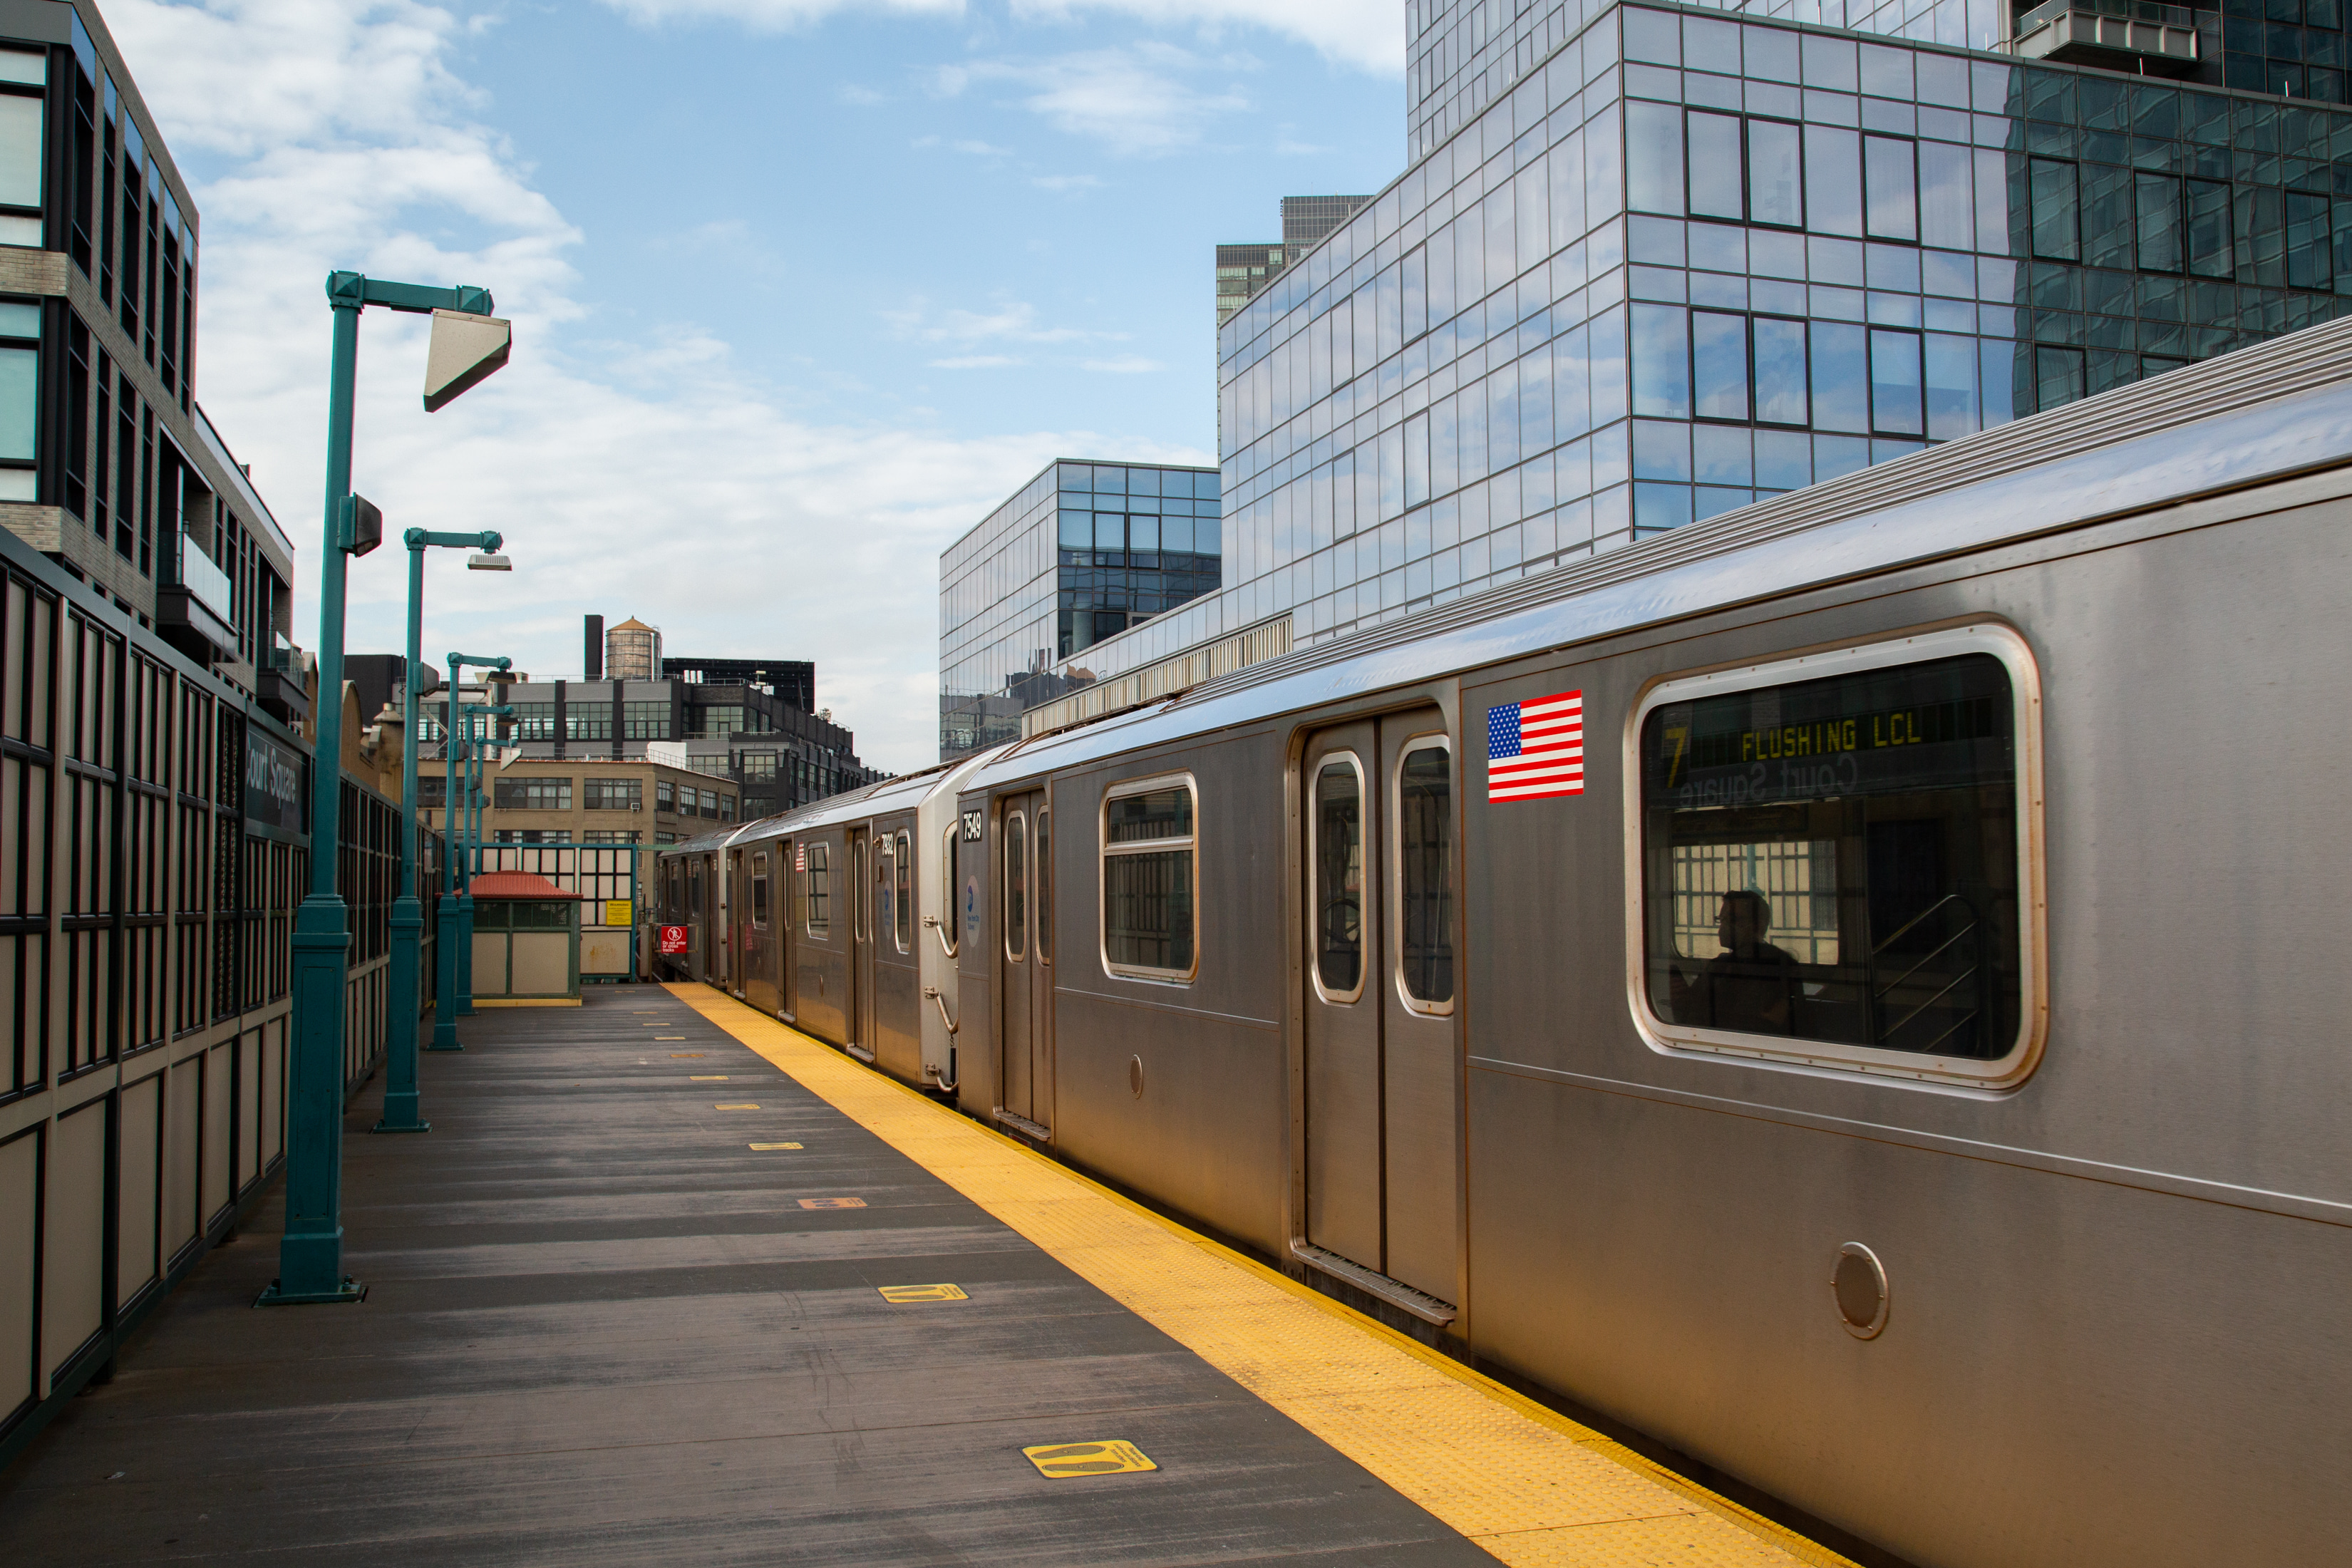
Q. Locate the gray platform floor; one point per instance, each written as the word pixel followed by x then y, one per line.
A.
pixel 600 1327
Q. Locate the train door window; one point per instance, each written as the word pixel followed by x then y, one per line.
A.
pixel 819 879
pixel 759 891
pixel 885 859
pixel 861 897
pixel 1017 887
pixel 902 895
pixel 946 926
pixel 1833 858
pixel 1044 885
pixel 1424 874
pixel 1150 925
pixel 1336 847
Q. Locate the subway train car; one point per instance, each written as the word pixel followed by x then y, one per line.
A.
pixel 835 919
pixel 1848 989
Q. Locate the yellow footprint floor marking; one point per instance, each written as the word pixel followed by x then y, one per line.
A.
pixel 1526 1483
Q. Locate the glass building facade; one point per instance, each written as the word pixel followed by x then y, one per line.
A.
pixel 1650 264
pixel 1084 552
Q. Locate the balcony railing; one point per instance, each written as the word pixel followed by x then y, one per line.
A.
pixel 207 582
pixel 2086 30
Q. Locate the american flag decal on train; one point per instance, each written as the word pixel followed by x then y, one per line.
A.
pixel 1535 749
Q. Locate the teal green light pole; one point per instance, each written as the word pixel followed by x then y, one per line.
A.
pixel 469 854
pixel 311 1256
pixel 405 1001
pixel 444 1004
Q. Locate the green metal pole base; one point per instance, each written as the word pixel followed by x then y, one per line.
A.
pixel 437 1045
pixel 445 995
pixel 350 1292
pixel 400 1114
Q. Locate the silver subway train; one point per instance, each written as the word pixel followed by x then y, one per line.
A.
pixel 1852 990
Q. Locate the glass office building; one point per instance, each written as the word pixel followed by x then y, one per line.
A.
pixel 1650 264
pixel 1081 554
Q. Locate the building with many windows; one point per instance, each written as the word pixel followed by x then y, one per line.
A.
pixel 532 800
pixel 1243 270
pixel 1081 553
pixel 1650 263
pixel 775 753
pixel 107 461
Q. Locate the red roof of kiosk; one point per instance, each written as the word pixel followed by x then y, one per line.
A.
pixel 516 885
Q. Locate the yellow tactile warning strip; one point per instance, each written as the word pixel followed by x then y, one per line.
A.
pixel 1524 1482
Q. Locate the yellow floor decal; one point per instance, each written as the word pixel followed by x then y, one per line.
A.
pixel 1063 1460
pixel 1526 1483
pixel 775 1145
pixel 923 1293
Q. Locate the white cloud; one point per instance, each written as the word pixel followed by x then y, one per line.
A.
pixel 658 477
pixel 768 16
pixel 1125 365
pixel 1065 184
pixel 1135 101
pixel 1366 34
pixel 1010 320
pixel 974 362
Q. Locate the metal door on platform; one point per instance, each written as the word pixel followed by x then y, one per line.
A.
pixel 861 941
pixel 1383 1096
pixel 1026 959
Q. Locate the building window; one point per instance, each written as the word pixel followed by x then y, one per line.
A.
pixel 532 835
pixel 611 836
pixel 756 765
pixel 587 720
pixel 1150 925
pixel 663 796
pixel 716 721
pixel 533 722
pixel 533 793
pixel 1834 862
pixel 725 808
pixel 614 794
pixel 645 721
pixel 432 790
pixel 22 78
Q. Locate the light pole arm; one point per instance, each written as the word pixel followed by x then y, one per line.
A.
pixel 487 541
pixel 351 291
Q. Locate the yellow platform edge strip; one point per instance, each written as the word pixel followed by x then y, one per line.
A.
pixel 1526 1483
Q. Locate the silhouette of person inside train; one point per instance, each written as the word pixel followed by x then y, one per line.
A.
pixel 1751 986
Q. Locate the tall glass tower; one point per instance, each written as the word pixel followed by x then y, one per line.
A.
pixel 1650 263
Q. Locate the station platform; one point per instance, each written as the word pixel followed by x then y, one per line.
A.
pixel 669 1282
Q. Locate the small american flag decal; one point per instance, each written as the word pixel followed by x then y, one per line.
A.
pixel 1535 749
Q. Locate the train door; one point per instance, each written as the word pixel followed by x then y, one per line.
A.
pixel 698 927
pixel 738 909
pixel 1382 1071
pixel 1025 960
pixel 861 942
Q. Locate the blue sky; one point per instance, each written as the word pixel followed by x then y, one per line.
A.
pixel 800 290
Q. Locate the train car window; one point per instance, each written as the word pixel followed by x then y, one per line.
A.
pixel 1017 887
pixel 820 891
pixel 1044 885
pixel 1336 847
pixel 1149 854
pixel 1425 873
pixel 759 891
pixel 902 896
pixel 1835 863
pixel 885 854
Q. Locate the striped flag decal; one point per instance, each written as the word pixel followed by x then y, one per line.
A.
pixel 1535 749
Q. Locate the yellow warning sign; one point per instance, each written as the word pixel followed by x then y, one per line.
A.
pixel 832 1203
pixel 1062 1460
pixel 745 1106
pixel 923 1293
pixel 616 912
pixel 775 1145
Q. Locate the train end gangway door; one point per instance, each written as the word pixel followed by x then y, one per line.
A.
pixel 1383 1150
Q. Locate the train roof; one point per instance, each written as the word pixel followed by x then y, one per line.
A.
pixel 2260 414
pixel 903 792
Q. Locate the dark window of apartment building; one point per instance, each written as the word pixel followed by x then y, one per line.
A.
pixel 432 790
pixel 82 200
pixel 77 416
pixel 713 721
pixel 665 795
pixel 534 794
pixel 535 721
pixel 645 721
pixel 614 795
pixel 590 720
